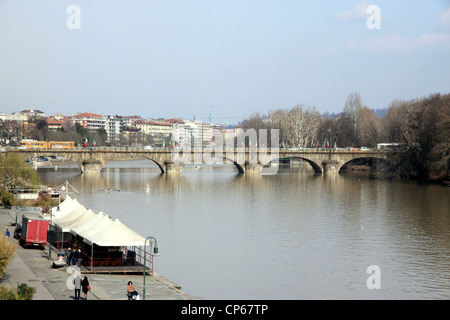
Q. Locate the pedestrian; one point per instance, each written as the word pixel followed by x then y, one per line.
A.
pixel 131 290
pixel 69 262
pixel 85 287
pixel 7 234
pixel 79 257
pixel 77 283
pixel 74 256
pixel 68 255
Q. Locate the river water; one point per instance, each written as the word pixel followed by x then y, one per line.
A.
pixel 293 235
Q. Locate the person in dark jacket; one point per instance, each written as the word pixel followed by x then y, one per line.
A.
pixel 74 256
pixel 79 257
pixel 85 287
pixel 69 256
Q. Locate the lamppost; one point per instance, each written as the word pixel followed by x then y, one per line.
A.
pixel 153 252
pixel 51 235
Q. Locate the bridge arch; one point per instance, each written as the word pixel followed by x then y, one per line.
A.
pixel 373 161
pixel 317 168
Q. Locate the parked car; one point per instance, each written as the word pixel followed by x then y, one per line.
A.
pixel 18 231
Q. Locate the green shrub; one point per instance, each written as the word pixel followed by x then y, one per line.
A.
pixel 23 292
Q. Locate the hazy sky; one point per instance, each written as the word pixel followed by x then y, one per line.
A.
pixel 227 58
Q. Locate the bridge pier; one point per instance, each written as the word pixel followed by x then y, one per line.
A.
pixel 252 168
pixel 330 167
pixel 91 166
pixel 172 167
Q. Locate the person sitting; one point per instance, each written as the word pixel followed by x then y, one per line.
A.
pixel 131 290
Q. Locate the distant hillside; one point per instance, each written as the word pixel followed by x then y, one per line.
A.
pixel 380 112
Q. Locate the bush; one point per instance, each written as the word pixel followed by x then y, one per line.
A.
pixel 7 250
pixel 23 292
pixel 7 198
pixel 8 293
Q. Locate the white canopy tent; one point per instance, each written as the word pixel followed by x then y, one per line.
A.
pixel 114 235
pixel 93 227
pixel 58 220
pixel 89 225
pixel 99 233
pixel 66 210
pixel 75 220
pixel 63 206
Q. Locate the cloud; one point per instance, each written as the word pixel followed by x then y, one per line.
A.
pixel 444 21
pixel 397 43
pixel 357 13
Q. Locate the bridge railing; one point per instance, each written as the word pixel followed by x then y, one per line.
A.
pixel 205 148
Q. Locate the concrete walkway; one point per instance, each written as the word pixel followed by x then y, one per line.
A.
pixel 33 267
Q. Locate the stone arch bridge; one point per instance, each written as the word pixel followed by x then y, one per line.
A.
pixel 169 161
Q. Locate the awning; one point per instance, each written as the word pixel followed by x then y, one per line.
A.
pixel 95 228
pixel 69 216
pixel 63 206
pixel 65 211
pixel 76 220
pixel 115 235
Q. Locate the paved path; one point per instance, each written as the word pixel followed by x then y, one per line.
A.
pixel 33 267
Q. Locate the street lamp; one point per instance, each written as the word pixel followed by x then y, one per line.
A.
pixel 153 252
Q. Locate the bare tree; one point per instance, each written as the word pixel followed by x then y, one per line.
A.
pixel 351 110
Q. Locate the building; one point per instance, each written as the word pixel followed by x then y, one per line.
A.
pixel 89 120
pixel 130 121
pixel 160 131
pixel 32 114
pixel 55 123
pixel 114 127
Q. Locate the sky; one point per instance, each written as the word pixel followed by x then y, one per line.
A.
pixel 219 59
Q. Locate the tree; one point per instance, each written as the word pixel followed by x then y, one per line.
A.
pixel 16 173
pixel 370 131
pixel 352 108
pixel 423 128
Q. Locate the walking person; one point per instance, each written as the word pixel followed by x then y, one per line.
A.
pixel 74 257
pixel 71 253
pixel 85 287
pixel 68 255
pixel 77 283
pixel 7 234
pixel 79 257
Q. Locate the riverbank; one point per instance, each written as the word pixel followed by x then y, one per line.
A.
pixel 35 268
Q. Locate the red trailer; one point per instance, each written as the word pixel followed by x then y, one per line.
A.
pixel 34 231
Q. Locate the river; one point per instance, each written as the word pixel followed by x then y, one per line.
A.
pixel 293 235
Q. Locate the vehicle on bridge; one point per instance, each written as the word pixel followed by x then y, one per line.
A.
pixel 33 144
pixel 388 146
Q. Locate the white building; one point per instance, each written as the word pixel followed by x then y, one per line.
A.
pixel 113 127
pixel 89 120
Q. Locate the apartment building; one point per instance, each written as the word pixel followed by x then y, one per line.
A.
pixel 114 127
pixel 89 120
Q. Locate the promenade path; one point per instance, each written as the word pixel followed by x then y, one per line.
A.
pixel 33 267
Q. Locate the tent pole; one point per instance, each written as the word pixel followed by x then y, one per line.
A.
pixel 92 257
